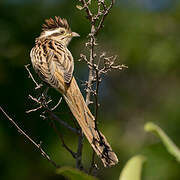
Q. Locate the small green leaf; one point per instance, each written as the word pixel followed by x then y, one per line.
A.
pixel 169 144
pixel 79 7
pixel 74 174
pixel 132 169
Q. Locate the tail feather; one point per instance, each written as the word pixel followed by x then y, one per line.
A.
pixel 81 112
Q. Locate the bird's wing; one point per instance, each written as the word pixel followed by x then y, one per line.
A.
pixel 64 62
pixel 52 57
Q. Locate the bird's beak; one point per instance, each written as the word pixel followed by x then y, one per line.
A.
pixel 74 34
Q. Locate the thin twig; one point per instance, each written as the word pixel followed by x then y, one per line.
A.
pixel 31 76
pixel 38 146
pixel 33 110
pixel 87 9
pixel 51 114
pixel 106 12
pixel 59 102
pixel 96 21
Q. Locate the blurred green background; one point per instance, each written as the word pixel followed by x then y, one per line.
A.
pixel 145 35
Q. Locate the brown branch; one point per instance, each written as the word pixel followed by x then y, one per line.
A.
pixel 38 146
pixel 89 63
pixel 93 62
pixel 90 78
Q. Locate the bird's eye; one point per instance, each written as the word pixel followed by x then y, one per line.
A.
pixel 62 32
pixel 55 34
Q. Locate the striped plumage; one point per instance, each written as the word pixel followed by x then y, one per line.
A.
pixel 41 55
pixel 54 64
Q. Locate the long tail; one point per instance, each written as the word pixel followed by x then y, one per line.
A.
pixel 81 112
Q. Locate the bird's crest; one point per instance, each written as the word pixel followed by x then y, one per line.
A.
pixel 51 24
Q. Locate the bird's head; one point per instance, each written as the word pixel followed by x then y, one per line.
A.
pixel 58 29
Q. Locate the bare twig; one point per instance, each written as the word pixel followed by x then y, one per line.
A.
pixel 31 76
pixel 38 146
pixel 105 13
pixel 87 9
pixel 59 102
pixel 94 62
pixel 89 83
pixel 33 110
pixel 51 114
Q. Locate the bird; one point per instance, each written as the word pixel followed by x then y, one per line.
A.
pixel 54 64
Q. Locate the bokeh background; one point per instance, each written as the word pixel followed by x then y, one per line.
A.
pixel 145 34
